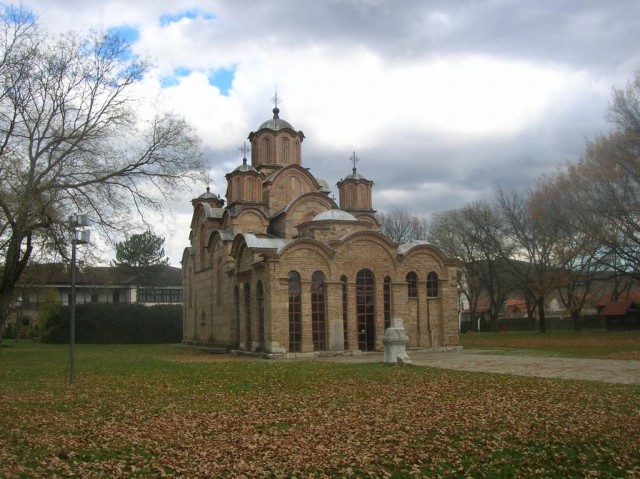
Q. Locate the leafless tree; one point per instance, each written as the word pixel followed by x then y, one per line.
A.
pixel 71 140
pixel 401 225
pixel 473 234
pixel 606 185
pixel 576 255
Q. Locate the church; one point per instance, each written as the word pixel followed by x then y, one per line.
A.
pixel 284 271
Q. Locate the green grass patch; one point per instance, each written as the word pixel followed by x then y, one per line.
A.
pixel 173 411
pixel 596 344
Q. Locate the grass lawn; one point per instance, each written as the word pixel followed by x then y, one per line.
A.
pixel 171 411
pixel 597 344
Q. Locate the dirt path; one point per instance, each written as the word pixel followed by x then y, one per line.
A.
pixel 605 370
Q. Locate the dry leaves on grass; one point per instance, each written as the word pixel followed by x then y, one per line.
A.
pixel 321 420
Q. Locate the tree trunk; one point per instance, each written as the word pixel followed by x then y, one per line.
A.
pixel 543 326
pixel 577 324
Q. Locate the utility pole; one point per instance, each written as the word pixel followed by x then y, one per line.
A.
pixel 80 236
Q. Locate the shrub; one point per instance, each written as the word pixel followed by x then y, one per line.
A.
pixel 117 324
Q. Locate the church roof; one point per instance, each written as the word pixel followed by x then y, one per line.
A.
pixel 265 242
pixel 334 215
pixel 355 176
pixel 208 195
pixel 244 167
pixel 405 247
pixel 276 123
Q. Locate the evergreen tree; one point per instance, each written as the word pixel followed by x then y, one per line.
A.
pixel 141 250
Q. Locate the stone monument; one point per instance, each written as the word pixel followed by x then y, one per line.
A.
pixel 395 344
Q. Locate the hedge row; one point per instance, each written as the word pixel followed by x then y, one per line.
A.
pixel 116 324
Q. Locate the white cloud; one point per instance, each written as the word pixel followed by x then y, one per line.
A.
pixel 449 97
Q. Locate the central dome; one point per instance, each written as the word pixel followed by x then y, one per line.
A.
pixel 276 123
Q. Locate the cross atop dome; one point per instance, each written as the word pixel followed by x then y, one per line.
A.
pixel 354 159
pixel 244 150
pixel 275 101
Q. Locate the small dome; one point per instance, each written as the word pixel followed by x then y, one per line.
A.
pixel 276 123
pixel 335 215
pixel 207 195
pixel 355 176
pixel 244 167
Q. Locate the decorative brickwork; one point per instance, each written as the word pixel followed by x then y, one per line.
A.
pixel 283 270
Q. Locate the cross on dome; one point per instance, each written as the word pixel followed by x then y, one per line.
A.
pixel 275 101
pixel 244 150
pixel 354 159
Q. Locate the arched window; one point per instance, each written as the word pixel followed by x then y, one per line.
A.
pixel 412 284
pixel 295 313
pixel 261 329
pixel 387 302
pixel 247 312
pixel 267 150
pixel 432 285
pixel 285 151
pixel 237 194
pixel 361 197
pixel 365 310
pixel 318 316
pixel 249 189
pixel 345 311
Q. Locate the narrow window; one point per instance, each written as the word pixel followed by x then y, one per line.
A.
pixel 285 151
pixel 267 150
pixel 412 284
pixel 432 285
pixel 387 302
pixel 236 190
pixel 345 312
pixel 261 328
pixel 236 310
pixel 295 313
pixel 247 312
pixel 318 317
pixel 365 310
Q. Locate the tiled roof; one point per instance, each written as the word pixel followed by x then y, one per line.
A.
pixel 617 308
pixel 58 273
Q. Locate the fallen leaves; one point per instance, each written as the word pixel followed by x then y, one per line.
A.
pixel 255 419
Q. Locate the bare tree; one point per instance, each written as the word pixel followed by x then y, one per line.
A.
pixel 473 234
pixel 576 254
pixel 535 227
pixel 606 185
pixel 71 141
pixel 401 225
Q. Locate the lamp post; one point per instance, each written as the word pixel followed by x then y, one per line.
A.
pixel 80 236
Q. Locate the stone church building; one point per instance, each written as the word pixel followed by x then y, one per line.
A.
pixel 284 270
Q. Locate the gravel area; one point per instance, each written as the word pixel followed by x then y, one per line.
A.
pixel 605 370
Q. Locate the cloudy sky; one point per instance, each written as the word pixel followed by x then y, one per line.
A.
pixel 440 100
